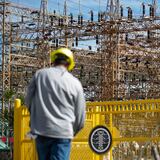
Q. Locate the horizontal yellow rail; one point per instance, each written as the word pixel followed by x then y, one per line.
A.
pixel 138 139
pixel 124 106
pixel 123 102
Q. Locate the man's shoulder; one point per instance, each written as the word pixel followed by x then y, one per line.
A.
pixel 74 80
pixel 43 70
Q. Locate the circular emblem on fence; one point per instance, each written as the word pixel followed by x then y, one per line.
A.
pixel 100 139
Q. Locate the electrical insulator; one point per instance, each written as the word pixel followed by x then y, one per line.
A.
pixel 97 75
pixel 56 42
pixel 136 64
pixel 126 38
pixel 155 152
pixel 90 47
pixel 129 13
pixel 76 41
pixel 121 11
pixel 148 34
pixel 143 9
pixel 134 77
pixel 143 78
pixel 54 11
pixel 91 16
pixel 125 76
pixel 89 75
pixel 81 20
pixel 152 11
pixel 99 16
pixel 97 39
pixel 51 20
pixel 59 22
pixel 71 18
pixel 81 71
pixel 22 19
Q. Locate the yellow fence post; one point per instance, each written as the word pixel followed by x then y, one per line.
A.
pixel 96 121
pixel 17 133
pixel 111 129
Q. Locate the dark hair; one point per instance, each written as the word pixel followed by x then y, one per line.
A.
pixel 61 60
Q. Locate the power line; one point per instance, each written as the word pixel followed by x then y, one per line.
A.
pixel 70 6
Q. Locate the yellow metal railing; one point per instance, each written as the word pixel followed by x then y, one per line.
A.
pixel 122 118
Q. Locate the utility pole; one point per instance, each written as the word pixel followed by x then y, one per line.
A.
pixel 43 45
pixel 110 53
pixel 66 22
pixel 112 9
pixel 43 14
pixel 3 60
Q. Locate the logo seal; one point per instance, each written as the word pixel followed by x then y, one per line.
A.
pixel 100 139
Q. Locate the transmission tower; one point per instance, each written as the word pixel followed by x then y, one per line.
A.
pixel 155 5
pixel 112 9
pixel 42 41
pixel 6 41
pixel 109 49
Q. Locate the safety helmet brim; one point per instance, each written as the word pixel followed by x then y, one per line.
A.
pixel 66 52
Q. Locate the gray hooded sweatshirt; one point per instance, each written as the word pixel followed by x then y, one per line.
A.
pixel 56 103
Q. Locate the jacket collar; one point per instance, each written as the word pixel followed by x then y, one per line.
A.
pixel 62 68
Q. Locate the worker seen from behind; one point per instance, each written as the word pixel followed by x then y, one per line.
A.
pixel 56 103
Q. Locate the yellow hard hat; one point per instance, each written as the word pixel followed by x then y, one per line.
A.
pixel 67 53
